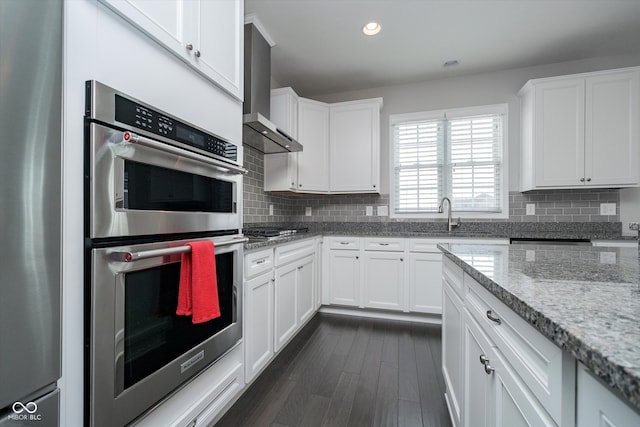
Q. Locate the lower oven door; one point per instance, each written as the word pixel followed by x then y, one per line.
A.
pixel 150 188
pixel 140 350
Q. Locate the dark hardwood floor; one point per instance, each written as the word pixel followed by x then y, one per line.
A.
pixel 349 371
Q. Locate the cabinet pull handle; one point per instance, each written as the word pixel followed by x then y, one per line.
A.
pixel 344 243
pixel 383 244
pixel 581 179
pixel 483 359
pixel 491 317
pixel 262 261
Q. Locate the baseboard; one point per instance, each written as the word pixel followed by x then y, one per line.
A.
pixel 434 319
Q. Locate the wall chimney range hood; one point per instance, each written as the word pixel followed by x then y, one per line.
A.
pixel 257 131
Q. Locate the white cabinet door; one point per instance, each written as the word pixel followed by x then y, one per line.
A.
pixel 425 282
pixel 281 169
pixel 478 378
pixel 559 133
pixel 597 406
pixel 207 35
pixel 161 20
pixel 258 318
pixel 313 134
pixel 305 287
pixel 452 351
pixel 218 41
pixel 611 135
pixel 383 280
pixel 285 319
pixel 344 277
pixel 355 134
pixel 514 405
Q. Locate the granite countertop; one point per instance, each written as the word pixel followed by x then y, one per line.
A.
pixel 584 299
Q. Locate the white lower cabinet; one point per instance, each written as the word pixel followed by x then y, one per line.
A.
pixel 280 288
pixel 258 323
pixel 344 277
pixel 285 320
pixel 452 350
pixel 478 380
pixel 598 406
pixel 383 284
pixel 424 282
pixel 304 289
pixel 496 367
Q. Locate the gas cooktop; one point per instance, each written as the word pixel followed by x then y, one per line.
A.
pixel 268 233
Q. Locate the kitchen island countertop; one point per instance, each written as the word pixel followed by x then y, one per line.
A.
pixel 584 299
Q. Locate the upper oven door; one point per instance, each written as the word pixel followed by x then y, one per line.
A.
pixel 147 187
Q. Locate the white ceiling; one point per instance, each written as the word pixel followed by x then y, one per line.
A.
pixel 320 48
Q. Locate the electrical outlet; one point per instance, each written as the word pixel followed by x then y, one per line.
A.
pixel 607 208
pixel 383 210
pixel 635 226
pixel 607 257
pixel 369 211
pixel 530 256
pixel 531 208
pixel 270 210
pixel 307 211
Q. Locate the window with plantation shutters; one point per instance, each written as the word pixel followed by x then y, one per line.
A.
pixel 457 154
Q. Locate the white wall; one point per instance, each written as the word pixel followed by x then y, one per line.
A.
pixel 483 89
pixel 100 45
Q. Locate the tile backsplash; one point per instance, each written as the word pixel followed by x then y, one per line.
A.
pixel 550 206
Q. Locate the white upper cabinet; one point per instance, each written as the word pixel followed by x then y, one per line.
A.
pixel 355 134
pixel 332 137
pixel 207 35
pixel 580 131
pixel 313 134
pixel 281 169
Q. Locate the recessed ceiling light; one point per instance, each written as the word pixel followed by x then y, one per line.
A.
pixel 371 29
pixel 451 63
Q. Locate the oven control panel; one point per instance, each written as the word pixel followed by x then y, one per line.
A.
pixel 145 118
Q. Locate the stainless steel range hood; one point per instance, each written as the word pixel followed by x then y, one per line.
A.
pixel 257 131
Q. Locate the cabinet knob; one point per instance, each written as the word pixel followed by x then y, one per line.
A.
pixel 189 46
pixel 401 259
pixel 374 186
pixel 588 179
pixel 197 53
pixel 293 184
pixel 357 257
pixel 488 368
pixel 581 179
pixel 299 185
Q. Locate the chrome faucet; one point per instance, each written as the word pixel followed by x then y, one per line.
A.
pixel 450 222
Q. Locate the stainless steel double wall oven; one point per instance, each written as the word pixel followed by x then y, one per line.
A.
pixel 153 183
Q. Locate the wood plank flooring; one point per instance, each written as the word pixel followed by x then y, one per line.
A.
pixel 349 371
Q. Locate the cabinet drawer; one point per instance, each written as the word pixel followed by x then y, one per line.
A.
pixel 425 245
pixel 380 244
pixel 453 275
pixel 259 262
pixel 546 370
pixel 344 243
pixel 293 251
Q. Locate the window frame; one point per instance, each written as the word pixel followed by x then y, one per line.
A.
pixel 395 119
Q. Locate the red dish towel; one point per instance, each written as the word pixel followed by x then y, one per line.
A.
pixel 198 292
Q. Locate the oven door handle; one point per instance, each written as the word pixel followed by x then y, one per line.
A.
pixel 135 256
pixel 133 138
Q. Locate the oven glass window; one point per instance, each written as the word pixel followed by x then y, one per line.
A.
pixel 155 188
pixel 153 334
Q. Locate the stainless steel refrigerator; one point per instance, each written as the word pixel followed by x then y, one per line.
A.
pixel 30 210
